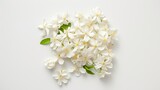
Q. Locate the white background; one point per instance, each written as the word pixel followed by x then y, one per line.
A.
pixel 137 55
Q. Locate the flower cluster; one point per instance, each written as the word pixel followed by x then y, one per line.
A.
pixel 85 41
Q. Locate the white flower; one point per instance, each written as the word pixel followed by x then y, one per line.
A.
pixel 103 73
pixel 103 35
pixel 85 58
pixel 66 50
pixel 50 63
pixel 103 64
pixel 96 46
pixel 59 59
pixel 61 77
pixel 79 16
pixel 53 28
pixel 77 70
pixel 69 33
pixel 43 27
pixel 105 69
pixel 63 19
pixel 89 23
pixel 97 15
pixel 112 34
pixel 87 34
pixel 55 41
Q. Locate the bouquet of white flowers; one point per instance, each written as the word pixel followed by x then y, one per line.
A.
pixel 85 41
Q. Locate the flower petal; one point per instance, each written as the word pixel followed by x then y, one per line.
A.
pixel 110 65
pixel 86 38
pixel 60 61
pixel 77 74
pixel 60 82
pixel 82 70
pixel 64 80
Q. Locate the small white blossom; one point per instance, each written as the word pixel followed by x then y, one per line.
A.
pixel 43 28
pixel 50 63
pixel 61 77
pixel 55 41
pixel 63 19
pixel 77 70
pixel 59 59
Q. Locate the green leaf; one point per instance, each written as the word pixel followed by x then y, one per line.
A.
pixel 90 66
pixel 88 70
pixel 69 24
pixel 58 32
pixel 45 41
pixel 64 27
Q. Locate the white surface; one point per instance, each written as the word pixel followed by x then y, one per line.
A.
pixel 137 57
